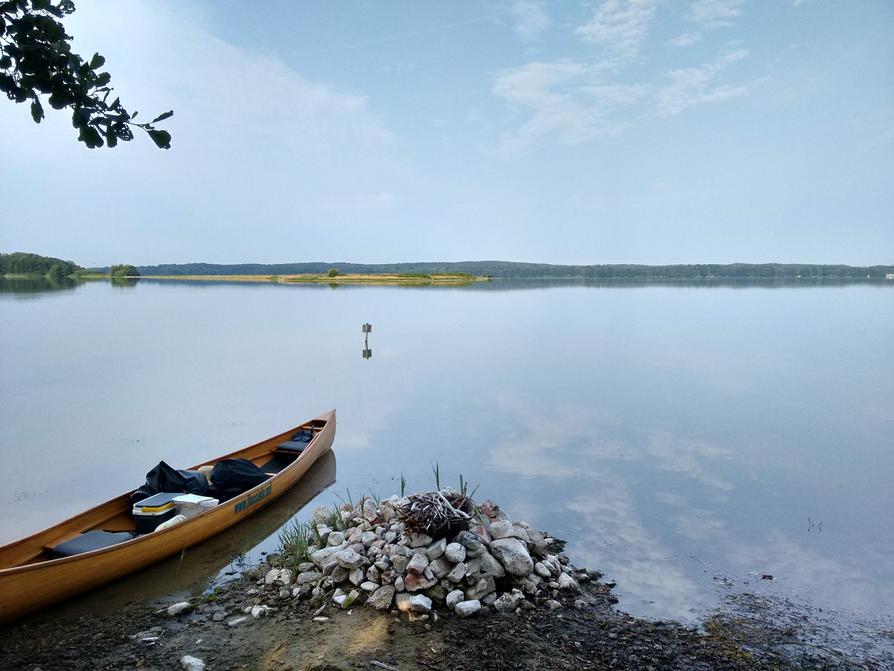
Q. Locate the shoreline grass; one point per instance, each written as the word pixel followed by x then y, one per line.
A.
pixel 408 279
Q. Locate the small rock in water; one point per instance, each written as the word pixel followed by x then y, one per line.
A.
pixel 467 608
pixel 190 663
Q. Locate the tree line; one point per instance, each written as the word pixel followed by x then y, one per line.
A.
pixel 511 269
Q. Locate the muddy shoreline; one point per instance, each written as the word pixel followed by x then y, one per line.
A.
pixel 587 632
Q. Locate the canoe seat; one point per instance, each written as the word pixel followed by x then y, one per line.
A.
pixel 295 446
pixel 279 461
pixel 91 540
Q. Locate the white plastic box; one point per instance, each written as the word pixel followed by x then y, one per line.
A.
pixel 190 505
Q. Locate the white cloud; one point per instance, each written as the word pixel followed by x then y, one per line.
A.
pixel 620 26
pixel 685 40
pixel 716 13
pixel 688 87
pixel 529 19
pixel 564 98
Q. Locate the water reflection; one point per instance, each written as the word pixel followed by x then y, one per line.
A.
pixel 29 287
pixel 670 434
pixel 123 282
pixel 210 562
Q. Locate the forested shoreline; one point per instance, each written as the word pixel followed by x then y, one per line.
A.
pixel 510 269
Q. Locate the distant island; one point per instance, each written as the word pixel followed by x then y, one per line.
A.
pixel 428 272
pixel 318 271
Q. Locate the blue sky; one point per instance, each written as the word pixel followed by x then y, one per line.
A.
pixel 646 131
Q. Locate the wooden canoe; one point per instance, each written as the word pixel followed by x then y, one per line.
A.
pixel 32 578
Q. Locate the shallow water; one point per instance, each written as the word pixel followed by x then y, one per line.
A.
pixel 685 439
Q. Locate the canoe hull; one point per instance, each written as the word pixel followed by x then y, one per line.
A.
pixel 28 588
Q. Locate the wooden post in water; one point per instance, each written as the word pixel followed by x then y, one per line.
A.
pixel 367 352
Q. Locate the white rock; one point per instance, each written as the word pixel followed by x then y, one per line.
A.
pixel 490 566
pixel 190 663
pixel 399 583
pixel 356 576
pixel 454 598
pixel 271 576
pixel 512 554
pixel 236 621
pixel 541 570
pixel 369 586
pixel 567 582
pixel 467 608
pixel 321 618
pixel 500 529
pixel 335 539
pixel 260 611
pixel 350 559
pixel 284 577
pixel 420 603
pixel 179 608
pixel 455 553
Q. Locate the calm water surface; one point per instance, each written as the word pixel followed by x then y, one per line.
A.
pixel 684 439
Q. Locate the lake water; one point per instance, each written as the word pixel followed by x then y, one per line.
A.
pixel 684 439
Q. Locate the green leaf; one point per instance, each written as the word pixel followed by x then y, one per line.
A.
pixel 91 137
pixel 36 110
pixel 161 138
pixel 97 61
pixel 103 79
pixel 162 117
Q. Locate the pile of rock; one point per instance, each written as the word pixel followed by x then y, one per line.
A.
pixel 371 558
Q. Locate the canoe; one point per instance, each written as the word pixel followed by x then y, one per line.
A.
pixel 33 576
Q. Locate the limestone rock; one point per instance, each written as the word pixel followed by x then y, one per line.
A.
pixel 190 663
pixel 454 598
pixel 455 553
pixel 381 599
pixel 467 608
pixel 350 559
pixel 440 567
pixel 501 529
pixel 458 573
pixel 512 554
pixel 436 549
pixel 179 608
pixel 420 603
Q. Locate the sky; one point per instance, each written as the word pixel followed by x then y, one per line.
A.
pixel 617 131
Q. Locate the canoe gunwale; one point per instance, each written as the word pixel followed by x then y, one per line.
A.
pixel 156 536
